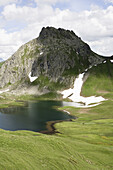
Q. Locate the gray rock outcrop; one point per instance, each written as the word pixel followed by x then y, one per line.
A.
pixel 57 54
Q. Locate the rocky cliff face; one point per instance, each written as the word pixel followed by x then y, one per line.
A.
pixel 55 57
pixel 18 66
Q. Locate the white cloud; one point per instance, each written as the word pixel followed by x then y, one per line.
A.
pixel 94 26
pixel 26 14
pixel 8 44
pixel 50 2
pixel 109 1
pixel 103 46
pixel 6 2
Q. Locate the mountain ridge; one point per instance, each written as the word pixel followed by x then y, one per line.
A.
pixel 56 57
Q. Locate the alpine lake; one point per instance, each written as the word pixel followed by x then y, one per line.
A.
pixel 34 116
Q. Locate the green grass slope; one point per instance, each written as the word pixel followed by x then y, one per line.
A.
pixel 92 134
pixel 100 81
pixel 85 143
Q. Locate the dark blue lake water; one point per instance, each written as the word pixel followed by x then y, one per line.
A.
pixel 33 116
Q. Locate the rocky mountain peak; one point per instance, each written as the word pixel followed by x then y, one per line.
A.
pixel 56 33
pixel 56 56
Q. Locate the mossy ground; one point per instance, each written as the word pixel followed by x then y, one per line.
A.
pixel 44 81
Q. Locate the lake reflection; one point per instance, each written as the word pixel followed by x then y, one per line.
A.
pixel 33 116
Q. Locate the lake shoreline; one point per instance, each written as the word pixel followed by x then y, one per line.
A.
pixel 50 125
pixel 49 122
pixel 51 128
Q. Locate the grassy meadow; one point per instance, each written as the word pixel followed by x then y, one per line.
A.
pixel 83 144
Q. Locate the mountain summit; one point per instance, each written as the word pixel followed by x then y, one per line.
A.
pixel 55 58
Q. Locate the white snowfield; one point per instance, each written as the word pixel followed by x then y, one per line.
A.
pixel 4 91
pixel 32 78
pixel 67 93
pixel 74 94
pixel 41 53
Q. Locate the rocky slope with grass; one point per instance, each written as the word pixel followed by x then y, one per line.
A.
pixel 56 57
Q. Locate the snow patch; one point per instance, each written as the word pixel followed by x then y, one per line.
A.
pixel 90 67
pixel 86 69
pixel 41 53
pixel 32 78
pixel 66 111
pixel 67 93
pixel 78 105
pixel 4 91
pixel 74 94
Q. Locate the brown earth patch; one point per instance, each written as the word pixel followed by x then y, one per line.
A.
pixel 102 91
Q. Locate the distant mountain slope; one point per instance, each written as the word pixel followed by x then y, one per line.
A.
pixel 55 57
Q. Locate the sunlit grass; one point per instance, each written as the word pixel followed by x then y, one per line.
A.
pixel 82 144
pixel 85 143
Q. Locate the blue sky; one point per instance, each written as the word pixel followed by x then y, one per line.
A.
pixel 80 5
pixel 22 20
pixel 75 5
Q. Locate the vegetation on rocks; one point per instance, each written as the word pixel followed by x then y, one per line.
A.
pixel 57 54
pixel 56 58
